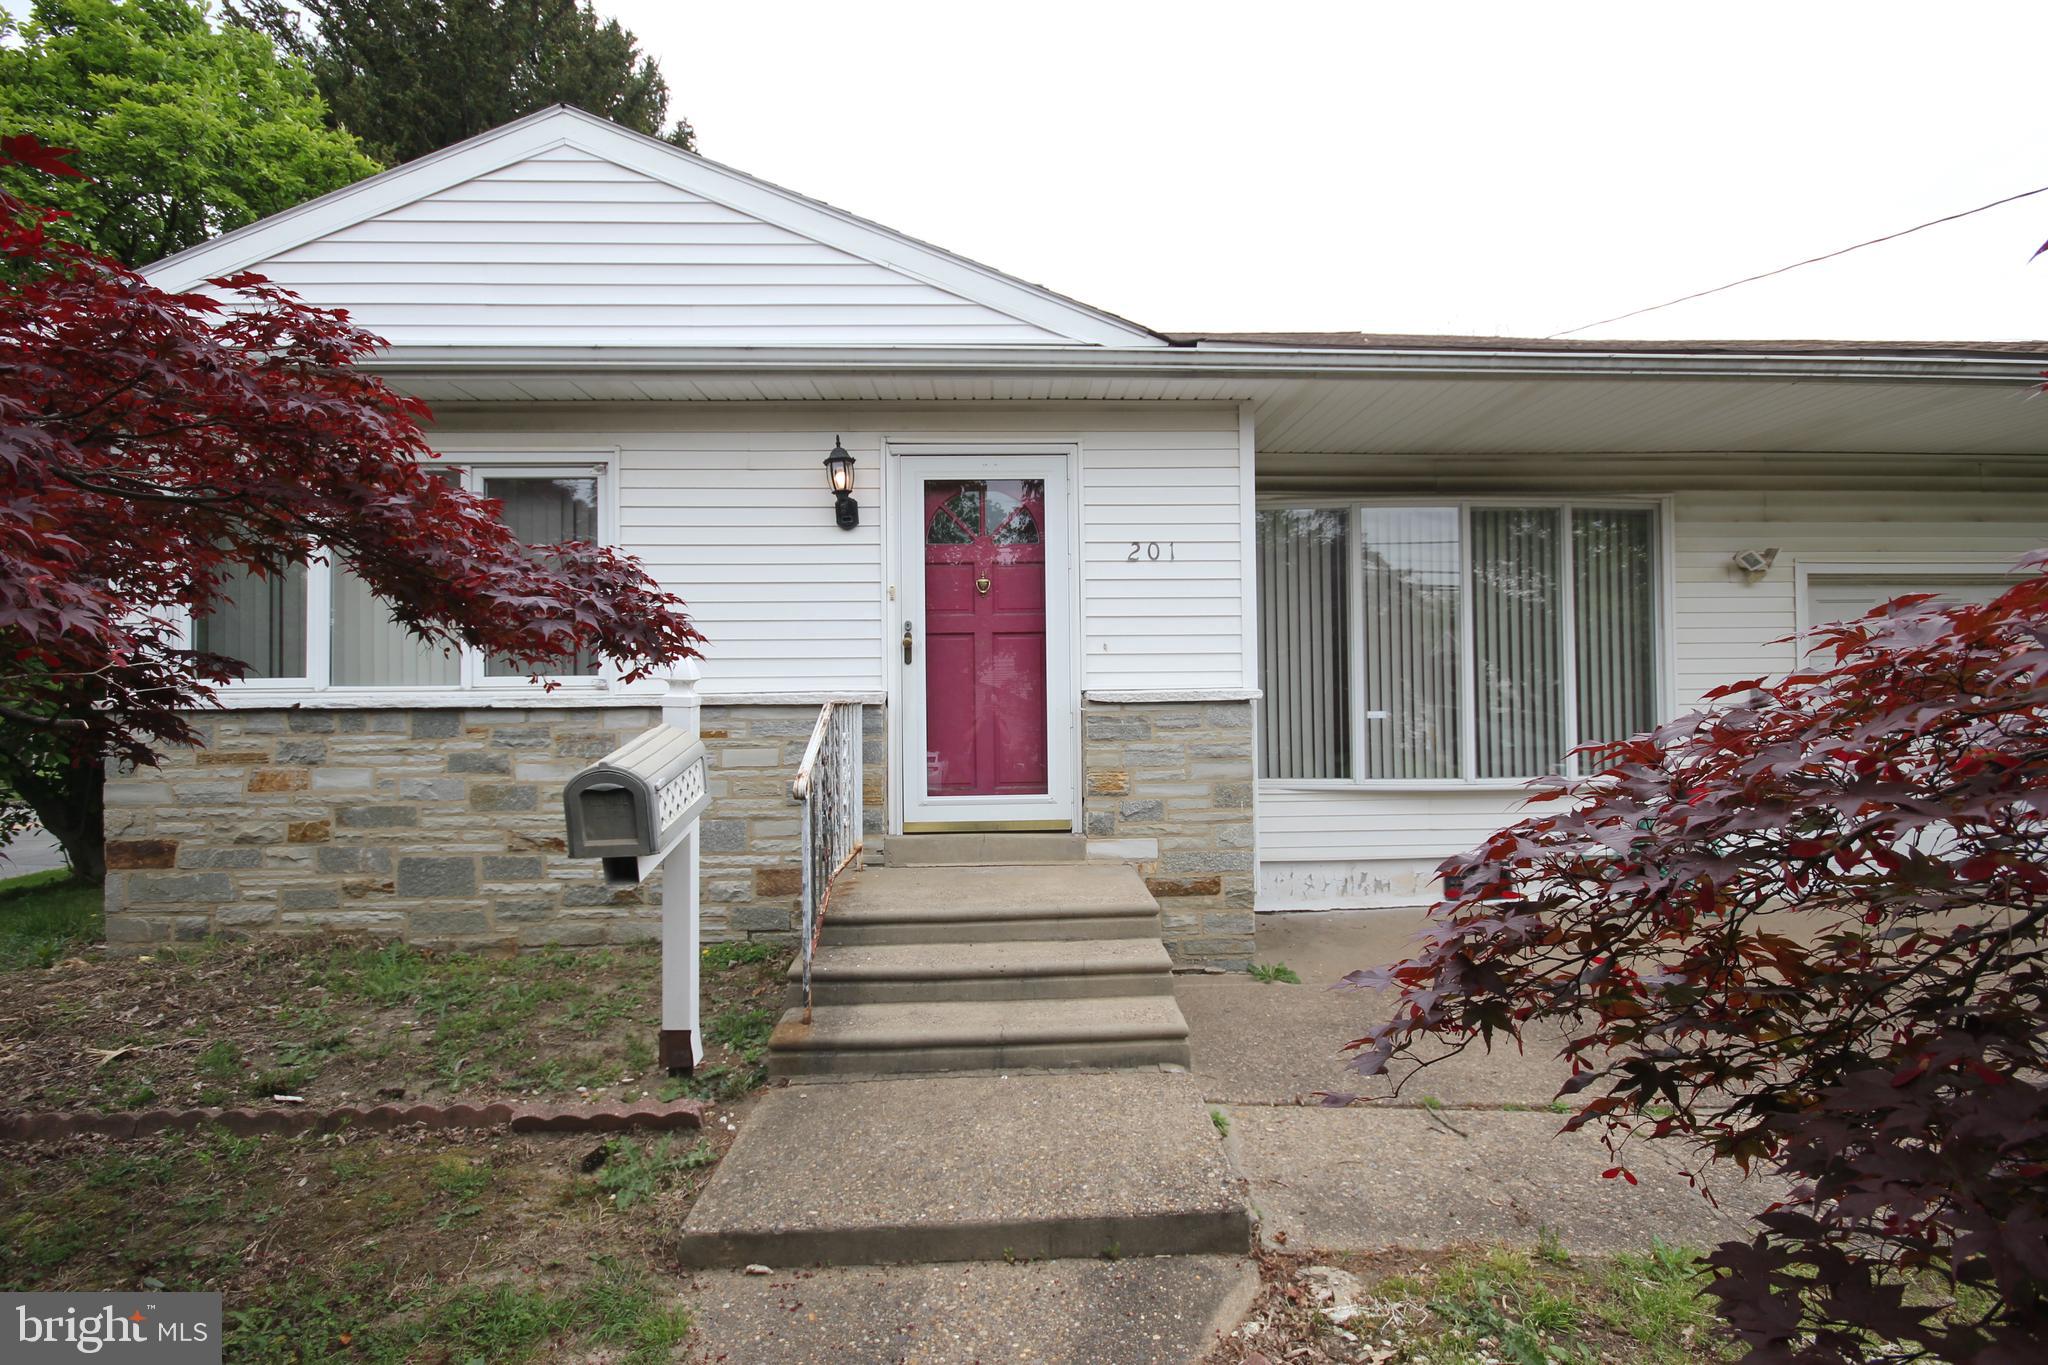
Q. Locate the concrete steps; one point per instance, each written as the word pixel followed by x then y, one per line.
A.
pixel 985 968
pixel 982 850
pixel 1066 901
pixel 993 1035
pixel 1070 969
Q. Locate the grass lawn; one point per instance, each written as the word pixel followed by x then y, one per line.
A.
pixel 375 1247
pixel 362 1246
pixel 45 917
pixel 348 1020
pixel 1487 1306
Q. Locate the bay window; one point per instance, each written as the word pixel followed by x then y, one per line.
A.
pixel 319 627
pixel 1453 642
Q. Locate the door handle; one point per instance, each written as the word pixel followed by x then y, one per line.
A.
pixel 906 642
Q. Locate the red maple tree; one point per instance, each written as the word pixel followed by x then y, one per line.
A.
pixel 1805 928
pixel 154 446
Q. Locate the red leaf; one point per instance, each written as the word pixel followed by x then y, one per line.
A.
pixel 25 149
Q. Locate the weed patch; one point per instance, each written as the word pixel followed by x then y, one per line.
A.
pixel 723 957
pixel 634 1174
pixel 1271 972
pixel 1500 1305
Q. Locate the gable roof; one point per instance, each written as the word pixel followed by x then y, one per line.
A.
pixel 565 229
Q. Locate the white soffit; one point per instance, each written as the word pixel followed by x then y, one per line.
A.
pixel 565 229
pixel 1360 416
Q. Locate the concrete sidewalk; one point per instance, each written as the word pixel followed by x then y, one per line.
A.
pixel 1260 1043
pixel 1487 1165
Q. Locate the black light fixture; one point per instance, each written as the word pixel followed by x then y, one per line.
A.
pixel 839 470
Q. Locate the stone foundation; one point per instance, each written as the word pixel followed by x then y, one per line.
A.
pixel 443 826
pixel 751 869
pixel 1168 786
pixel 439 826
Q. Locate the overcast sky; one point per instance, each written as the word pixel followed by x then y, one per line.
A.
pixel 1442 167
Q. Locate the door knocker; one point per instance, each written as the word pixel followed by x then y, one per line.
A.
pixel 981 585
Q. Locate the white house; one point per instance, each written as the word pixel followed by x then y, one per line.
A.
pixel 1281 618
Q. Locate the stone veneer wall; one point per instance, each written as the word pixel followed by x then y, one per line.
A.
pixel 441 826
pixel 752 874
pixel 1168 786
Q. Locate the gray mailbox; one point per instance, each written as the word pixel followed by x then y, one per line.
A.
pixel 632 804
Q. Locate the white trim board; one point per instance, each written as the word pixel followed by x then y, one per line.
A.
pixel 1114 696
pixel 562 126
pixel 1974 566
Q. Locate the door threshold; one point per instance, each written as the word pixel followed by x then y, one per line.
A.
pixel 988 826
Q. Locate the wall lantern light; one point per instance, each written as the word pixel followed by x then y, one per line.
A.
pixel 839 470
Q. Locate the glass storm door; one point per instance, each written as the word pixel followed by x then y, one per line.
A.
pixel 985 663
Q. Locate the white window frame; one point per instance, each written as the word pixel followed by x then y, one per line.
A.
pixel 475 465
pixel 1969 567
pixel 1663 597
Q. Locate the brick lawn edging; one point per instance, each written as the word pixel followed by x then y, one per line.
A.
pixel 52 1125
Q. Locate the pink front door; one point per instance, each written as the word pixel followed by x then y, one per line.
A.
pixel 984 631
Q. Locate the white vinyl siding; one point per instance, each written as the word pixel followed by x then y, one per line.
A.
pixel 1336 846
pixel 565 248
pixel 1175 620
pixel 727 506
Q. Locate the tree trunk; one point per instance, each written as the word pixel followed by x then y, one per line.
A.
pixel 72 804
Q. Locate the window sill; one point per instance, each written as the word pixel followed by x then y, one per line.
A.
pixel 1423 787
pixel 566 697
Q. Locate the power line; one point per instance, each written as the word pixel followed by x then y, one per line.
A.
pixel 1811 260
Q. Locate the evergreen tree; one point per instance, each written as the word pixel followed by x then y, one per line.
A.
pixel 410 77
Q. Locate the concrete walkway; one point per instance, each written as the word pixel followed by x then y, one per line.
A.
pixel 1467 1151
pixel 1162 1310
pixel 967 1168
pixel 1481 1163
pixel 1052 1217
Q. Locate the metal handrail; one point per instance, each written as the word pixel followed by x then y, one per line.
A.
pixel 828 786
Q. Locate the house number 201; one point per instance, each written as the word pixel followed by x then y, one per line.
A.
pixel 1150 550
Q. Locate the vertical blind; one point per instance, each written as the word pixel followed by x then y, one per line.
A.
pixel 369 649
pixel 1563 638
pixel 1409 573
pixel 1304 661
pixel 1517 640
pixel 259 620
pixel 1614 619
pixel 366 648
pixel 545 511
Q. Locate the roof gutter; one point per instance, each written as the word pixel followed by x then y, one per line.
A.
pixel 1150 362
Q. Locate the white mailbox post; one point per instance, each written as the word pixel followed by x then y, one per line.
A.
pixel 637 809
